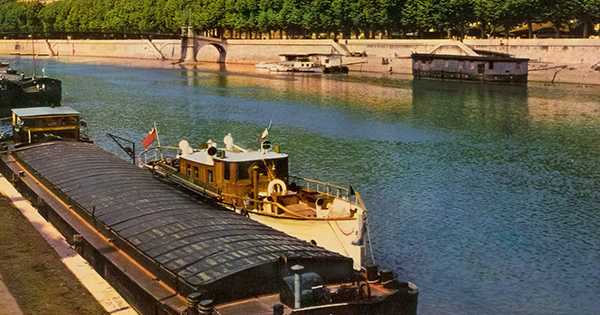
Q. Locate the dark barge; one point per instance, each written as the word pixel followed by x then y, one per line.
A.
pixel 165 251
pixel 17 90
pixel 458 62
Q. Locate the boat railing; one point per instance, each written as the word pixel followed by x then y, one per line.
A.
pixel 154 154
pixel 322 187
pixel 242 201
pixel 153 159
pixel 246 200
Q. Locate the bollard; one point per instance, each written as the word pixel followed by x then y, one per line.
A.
pixel 192 304
pixel 386 276
pixel 206 307
pixel 372 273
pixel 278 309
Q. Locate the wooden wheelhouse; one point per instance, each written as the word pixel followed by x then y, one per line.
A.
pixel 34 123
pixel 234 170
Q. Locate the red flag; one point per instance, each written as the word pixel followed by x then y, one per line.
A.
pixel 149 138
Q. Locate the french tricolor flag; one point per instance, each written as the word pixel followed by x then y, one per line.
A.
pixel 265 133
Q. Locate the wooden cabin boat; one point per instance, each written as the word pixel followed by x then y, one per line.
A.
pixel 169 254
pixel 257 183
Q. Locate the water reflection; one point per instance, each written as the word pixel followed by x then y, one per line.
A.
pixel 471 106
pixel 485 196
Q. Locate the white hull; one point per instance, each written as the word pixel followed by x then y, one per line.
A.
pixel 264 65
pixel 280 68
pixel 310 70
pixel 334 235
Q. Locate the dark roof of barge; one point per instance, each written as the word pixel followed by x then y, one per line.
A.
pixel 200 242
pixel 489 57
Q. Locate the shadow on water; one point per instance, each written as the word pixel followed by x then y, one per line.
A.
pixel 466 106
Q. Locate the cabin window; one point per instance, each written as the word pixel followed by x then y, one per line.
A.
pixel 480 68
pixel 461 64
pixel 195 172
pixel 227 171
pixel 472 65
pixel 210 176
pixel 242 170
pixel 326 60
pixel 491 65
pixel 280 168
pixel 188 170
pixel 518 66
pixel 446 64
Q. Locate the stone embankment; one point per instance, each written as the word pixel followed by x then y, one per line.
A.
pixel 551 60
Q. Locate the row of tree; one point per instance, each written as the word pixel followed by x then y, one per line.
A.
pixel 253 18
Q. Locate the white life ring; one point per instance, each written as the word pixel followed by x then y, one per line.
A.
pixel 277 186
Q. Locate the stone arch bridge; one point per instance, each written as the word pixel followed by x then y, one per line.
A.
pixel 191 45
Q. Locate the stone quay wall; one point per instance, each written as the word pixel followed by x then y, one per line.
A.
pixel 557 60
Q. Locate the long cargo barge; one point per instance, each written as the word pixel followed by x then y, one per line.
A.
pixel 167 252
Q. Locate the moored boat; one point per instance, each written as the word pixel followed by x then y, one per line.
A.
pixel 264 65
pixel 257 183
pixel 16 90
pixel 167 253
pixel 306 64
pixel 281 68
pixel 456 61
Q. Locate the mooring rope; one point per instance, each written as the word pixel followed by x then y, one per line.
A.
pixel 340 228
pixel 370 243
pixel 337 237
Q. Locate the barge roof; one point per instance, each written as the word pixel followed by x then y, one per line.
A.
pixel 496 58
pixel 193 245
pixel 44 111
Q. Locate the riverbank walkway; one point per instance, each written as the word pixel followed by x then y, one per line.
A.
pixel 8 305
pixel 39 279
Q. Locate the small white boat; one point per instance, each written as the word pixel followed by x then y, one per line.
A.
pixel 264 65
pixel 281 68
pixel 257 184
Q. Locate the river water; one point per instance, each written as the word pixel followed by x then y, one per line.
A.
pixel 485 196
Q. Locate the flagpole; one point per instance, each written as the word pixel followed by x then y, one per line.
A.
pixel 158 140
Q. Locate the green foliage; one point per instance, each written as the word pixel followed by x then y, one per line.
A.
pixel 295 17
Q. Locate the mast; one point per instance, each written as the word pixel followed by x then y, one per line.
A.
pixel 33 55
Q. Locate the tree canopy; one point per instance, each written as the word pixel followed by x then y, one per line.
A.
pixel 298 18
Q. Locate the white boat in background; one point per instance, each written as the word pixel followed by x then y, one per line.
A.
pixel 264 65
pixel 306 63
pixel 281 68
pixel 257 184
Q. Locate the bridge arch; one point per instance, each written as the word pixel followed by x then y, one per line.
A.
pixel 205 54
